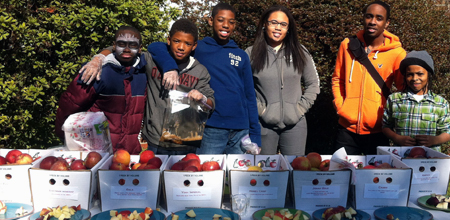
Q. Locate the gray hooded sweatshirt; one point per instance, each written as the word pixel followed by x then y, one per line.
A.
pixel 278 88
pixel 194 76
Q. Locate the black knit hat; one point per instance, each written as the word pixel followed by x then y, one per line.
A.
pixel 420 58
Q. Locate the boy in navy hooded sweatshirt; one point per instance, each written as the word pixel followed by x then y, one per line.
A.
pixel 236 113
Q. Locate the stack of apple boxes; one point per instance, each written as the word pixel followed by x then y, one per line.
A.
pixel 312 190
pixel 14 179
pixel 51 188
pixel 430 175
pixel 187 189
pixel 374 188
pixel 130 188
pixel 267 188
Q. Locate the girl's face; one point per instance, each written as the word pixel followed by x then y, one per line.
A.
pixel 223 25
pixel 276 28
pixel 417 79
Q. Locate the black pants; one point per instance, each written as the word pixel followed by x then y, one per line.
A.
pixel 356 144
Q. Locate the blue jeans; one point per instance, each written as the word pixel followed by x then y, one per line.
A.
pixel 222 141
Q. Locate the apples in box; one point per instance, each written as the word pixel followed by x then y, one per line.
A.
pixel 312 190
pixel 51 188
pixel 383 181
pixel 430 174
pixel 267 188
pixel 189 189
pixel 14 179
pixel 129 188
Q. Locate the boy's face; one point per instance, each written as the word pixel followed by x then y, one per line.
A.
pixel 417 79
pixel 375 21
pixel 223 25
pixel 127 46
pixel 181 45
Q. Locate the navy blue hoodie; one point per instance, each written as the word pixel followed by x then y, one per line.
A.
pixel 231 80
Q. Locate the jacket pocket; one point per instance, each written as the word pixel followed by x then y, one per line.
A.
pixel 349 110
pixel 271 115
pixel 292 113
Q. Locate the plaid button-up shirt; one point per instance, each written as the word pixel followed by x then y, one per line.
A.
pixel 407 117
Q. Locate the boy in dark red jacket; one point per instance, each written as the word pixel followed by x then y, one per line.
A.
pixel 121 94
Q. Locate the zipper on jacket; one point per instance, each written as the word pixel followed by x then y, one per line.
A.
pixel 280 75
pixel 358 122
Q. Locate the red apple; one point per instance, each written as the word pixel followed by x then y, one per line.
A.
pixel 122 156
pixel 92 159
pixel 47 162
pixel 136 166
pixel 210 165
pixel 156 161
pixel 191 168
pixel 24 159
pixel 384 166
pixel 315 159
pixel 178 165
pixel 11 156
pixel 148 211
pixel 60 165
pixel 150 167
pixel 119 166
pixel 195 163
pixel 145 156
pixel 125 213
pixel 324 165
pixel 190 156
pixel 417 151
pixel 77 165
pixel 2 160
pixel 369 167
pixel 301 163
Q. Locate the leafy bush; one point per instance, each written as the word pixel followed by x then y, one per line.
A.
pixel 43 43
pixel 323 24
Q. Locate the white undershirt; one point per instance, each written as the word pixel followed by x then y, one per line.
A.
pixel 418 98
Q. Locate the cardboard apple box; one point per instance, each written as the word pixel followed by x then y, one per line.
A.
pixel 129 188
pixel 14 179
pixel 312 190
pixel 188 190
pixel 267 188
pixel 375 188
pixel 429 175
pixel 51 188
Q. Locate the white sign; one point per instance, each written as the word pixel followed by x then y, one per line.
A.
pixel 192 193
pixel 379 191
pixel 321 192
pixel 419 178
pixel 128 192
pixel 64 193
pixel 259 192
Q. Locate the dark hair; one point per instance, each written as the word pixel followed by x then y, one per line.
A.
pixel 222 6
pixel 385 6
pixel 128 28
pixel 186 26
pixel 293 48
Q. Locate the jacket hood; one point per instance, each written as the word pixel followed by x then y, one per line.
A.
pixel 390 41
pixel 111 59
pixel 212 42
pixel 192 63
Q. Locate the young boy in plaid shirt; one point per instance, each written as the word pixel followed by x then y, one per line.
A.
pixel 417 116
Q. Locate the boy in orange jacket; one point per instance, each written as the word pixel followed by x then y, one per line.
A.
pixel 358 99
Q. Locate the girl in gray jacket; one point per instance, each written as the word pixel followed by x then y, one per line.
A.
pixel 279 63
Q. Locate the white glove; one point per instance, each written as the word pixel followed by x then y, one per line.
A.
pixel 93 69
pixel 170 80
